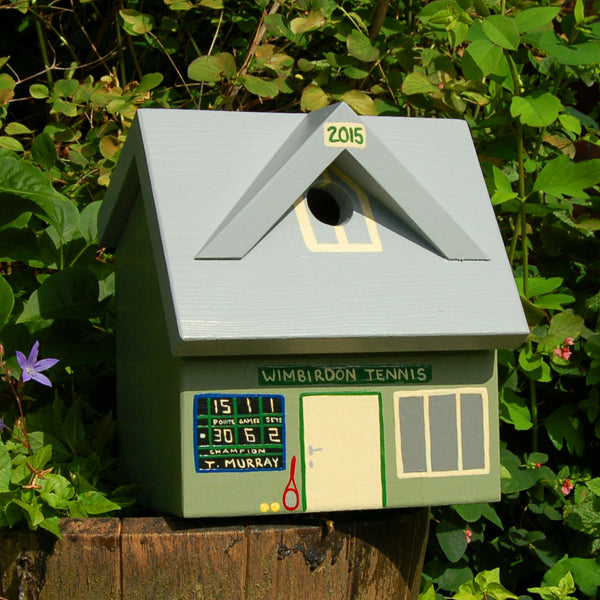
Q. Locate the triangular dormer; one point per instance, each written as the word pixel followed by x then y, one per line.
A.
pixel 301 159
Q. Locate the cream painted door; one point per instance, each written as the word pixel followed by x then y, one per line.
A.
pixel 342 451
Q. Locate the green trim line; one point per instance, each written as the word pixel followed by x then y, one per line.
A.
pixel 381 437
pixel 382 452
pixel 302 465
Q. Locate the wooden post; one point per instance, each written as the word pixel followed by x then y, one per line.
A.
pixel 370 555
pixel 86 563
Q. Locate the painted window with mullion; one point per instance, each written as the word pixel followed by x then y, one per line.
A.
pixel 442 432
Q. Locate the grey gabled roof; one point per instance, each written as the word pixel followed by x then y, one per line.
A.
pixel 220 189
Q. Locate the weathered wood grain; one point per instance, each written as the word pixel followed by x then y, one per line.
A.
pixel 168 559
pixel 84 565
pixel 388 554
pixel 374 555
pixel 297 562
pixel 23 558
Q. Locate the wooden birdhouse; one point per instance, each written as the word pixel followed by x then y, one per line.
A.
pixel 308 309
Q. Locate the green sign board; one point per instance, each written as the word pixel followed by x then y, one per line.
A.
pixel 343 375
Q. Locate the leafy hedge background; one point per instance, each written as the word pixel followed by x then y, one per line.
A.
pixel 524 75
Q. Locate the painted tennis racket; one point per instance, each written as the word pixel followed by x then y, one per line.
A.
pixel 291 498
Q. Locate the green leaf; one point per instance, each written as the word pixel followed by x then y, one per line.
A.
pixel 537 286
pixel 149 82
pixel 428 592
pixel 558 592
pixel 536 17
pixel 452 540
pixel 359 46
pixel 15 128
pixel 487 57
pixel 41 457
pixel 514 410
pixel 570 123
pixel 585 52
pixel 579 12
pixel 486 585
pixel 7 301
pixel 516 479
pixel 594 485
pixel 96 503
pixel 314 20
pixel 32 511
pixel 51 524
pixel 136 23
pixel 566 325
pixel 564 427
pixel 109 145
pixel 7 82
pixel 533 314
pixel 589 225
pixel 212 68
pixel 276 26
pixel 417 83
pixel 313 98
pixel 536 110
pixel 561 176
pixel 56 491
pixel 32 191
pixel 74 429
pixel 39 91
pixel 554 301
pixel 10 143
pixel 585 571
pixel 359 102
pixel 496 591
pixel 88 224
pixel 584 517
pixel 502 31
pixel 489 513
pixel 68 294
pixel 468 512
pixel 265 88
pixel 43 151
pixel 454 576
pixel 69 109
pixel 503 191
pixel 214 4
pixel 528 360
pixel 438 11
pixel 5 468
pixel 66 88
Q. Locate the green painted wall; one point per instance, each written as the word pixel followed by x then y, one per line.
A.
pixel 147 374
pixel 261 492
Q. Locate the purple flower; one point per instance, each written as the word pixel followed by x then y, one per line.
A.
pixel 2 424
pixel 32 367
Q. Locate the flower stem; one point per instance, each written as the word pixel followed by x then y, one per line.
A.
pixel 18 394
pixel 534 415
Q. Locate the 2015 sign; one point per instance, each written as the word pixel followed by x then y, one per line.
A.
pixel 345 135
